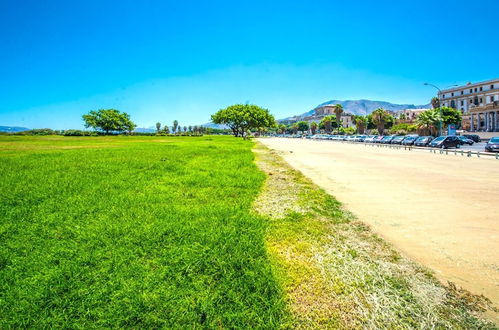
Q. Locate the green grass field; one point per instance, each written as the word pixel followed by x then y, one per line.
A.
pixel 133 232
pixel 196 232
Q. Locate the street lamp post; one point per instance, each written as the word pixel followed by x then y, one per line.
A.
pixel 440 107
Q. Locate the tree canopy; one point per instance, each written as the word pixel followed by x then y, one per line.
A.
pixel 360 122
pixel 338 110
pixel 302 126
pixel 328 123
pixel 428 121
pixel 451 116
pixel 380 117
pixel 435 102
pixel 109 120
pixel 243 117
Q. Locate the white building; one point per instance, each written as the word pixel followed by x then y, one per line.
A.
pixel 408 115
pixel 328 110
pixel 480 101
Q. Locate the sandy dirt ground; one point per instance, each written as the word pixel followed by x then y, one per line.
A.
pixel 440 210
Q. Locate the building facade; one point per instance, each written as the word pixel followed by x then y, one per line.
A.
pixel 408 115
pixel 479 103
pixel 328 110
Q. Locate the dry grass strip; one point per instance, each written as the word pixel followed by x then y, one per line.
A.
pixel 336 273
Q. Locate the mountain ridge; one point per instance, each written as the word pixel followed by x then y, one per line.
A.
pixel 13 129
pixel 362 107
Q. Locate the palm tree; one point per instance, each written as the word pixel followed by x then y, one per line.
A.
pixel 380 117
pixel 435 102
pixel 190 128
pixel 338 110
pixel 158 127
pixel 326 121
pixel 361 123
pixel 427 121
pixel 313 127
pixel 175 125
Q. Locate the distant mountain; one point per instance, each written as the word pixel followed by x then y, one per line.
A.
pixel 216 126
pixel 13 129
pixel 363 107
pixel 145 130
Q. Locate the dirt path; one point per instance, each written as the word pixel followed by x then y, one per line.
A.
pixel 442 211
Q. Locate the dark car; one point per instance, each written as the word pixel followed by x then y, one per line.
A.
pixel 473 137
pixel 492 145
pixel 465 140
pixel 423 141
pixel 409 140
pixel 387 139
pixel 398 139
pixel 445 142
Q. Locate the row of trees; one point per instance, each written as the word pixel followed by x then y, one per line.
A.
pixel 429 121
pixel 177 129
pixel 113 121
pixel 380 119
pixel 243 118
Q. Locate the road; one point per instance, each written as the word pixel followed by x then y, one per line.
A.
pixel 440 210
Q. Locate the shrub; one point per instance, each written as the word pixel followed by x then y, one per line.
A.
pixel 77 132
pixel 403 128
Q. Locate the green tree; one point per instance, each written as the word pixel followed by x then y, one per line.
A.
pixel 428 121
pixel 281 128
pixel 109 120
pixel 380 117
pixel 450 116
pixel 302 126
pixel 128 125
pixel 327 124
pixel 175 125
pixel 360 122
pixel 313 127
pixel 338 110
pixel 190 128
pixel 158 127
pixel 166 130
pixel 435 102
pixel 244 117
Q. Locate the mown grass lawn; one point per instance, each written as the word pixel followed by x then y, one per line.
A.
pixel 133 232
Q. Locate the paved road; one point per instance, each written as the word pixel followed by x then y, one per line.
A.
pixel 441 210
pixel 480 146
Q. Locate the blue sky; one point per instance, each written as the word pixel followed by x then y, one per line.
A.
pixel 166 60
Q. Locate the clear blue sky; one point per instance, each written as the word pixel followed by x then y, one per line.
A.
pixel 166 60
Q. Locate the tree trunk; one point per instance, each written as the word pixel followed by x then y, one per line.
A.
pixel 381 128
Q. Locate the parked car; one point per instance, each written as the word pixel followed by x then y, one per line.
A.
pixel 370 138
pixel 397 139
pixel 423 141
pixel 409 140
pixel 445 142
pixel 492 145
pixel 473 137
pixel 387 139
pixel 378 139
pixel 363 138
pixel 465 140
